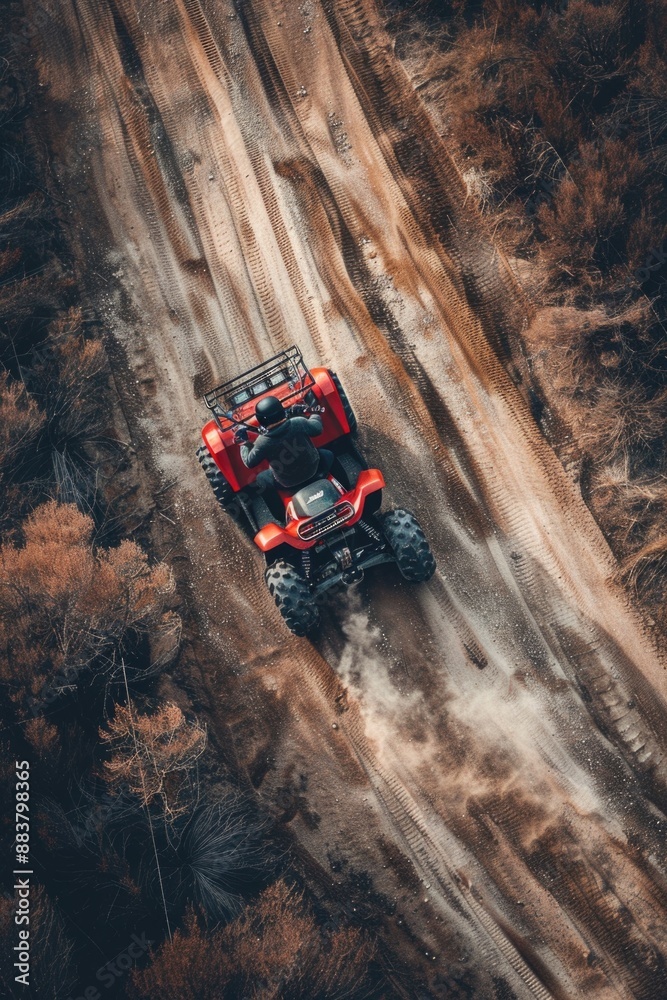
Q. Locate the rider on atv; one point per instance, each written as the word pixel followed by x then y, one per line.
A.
pixel 313 512
pixel 284 441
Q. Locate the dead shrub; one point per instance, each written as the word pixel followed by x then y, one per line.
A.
pixel 21 422
pixel 154 753
pixel 21 427
pixel 595 40
pixel 65 606
pixel 585 227
pixel 222 852
pixel 44 738
pixel 51 427
pixel 275 948
pixel 646 573
pixel 549 109
pixel 644 107
pixel 68 380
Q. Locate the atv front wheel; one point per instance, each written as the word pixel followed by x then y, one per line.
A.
pixel 291 592
pixel 224 494
pixel 347 406
pixel 409 545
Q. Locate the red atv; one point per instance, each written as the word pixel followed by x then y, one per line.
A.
pixel 326 531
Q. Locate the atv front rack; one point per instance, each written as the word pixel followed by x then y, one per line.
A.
pixel 285 370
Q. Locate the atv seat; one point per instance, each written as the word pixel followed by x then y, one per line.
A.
pixel 275 496
pixel 271 499
pixel 315 498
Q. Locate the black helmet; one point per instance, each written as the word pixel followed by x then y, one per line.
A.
pixel 269 411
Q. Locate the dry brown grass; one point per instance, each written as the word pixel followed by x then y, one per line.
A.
pixel 558 113
pixel 273 949
pixel 611 425
pixel 21 426
pixel 584 228
pixel 646 571
pixel 557 117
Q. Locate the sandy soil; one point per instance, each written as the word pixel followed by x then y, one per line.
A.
pixel 482 757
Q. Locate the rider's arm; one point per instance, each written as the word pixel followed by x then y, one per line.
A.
pixel 312 425
pixel 252 454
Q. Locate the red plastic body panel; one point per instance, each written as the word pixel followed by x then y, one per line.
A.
pixel 227 455
pixel 369 481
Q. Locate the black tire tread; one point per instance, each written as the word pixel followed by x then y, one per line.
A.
pixel 224 494
pixel 347 406
pixel 351 467
pixel 291 592
pixel 409 544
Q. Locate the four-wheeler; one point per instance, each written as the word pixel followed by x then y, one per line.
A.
pixel 326 531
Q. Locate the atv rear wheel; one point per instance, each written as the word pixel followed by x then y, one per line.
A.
pixel 224 494
pixel 291 592
pixel 409 545
pixel 347 406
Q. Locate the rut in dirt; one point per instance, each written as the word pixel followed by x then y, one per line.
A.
pixel 490 747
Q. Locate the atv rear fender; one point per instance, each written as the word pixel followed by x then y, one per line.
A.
pixel 369 481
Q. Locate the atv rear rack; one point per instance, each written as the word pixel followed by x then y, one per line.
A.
pixel 284 369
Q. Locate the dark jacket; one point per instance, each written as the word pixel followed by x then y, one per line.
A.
pixel 291 455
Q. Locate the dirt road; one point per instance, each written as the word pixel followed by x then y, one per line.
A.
pixel 482 756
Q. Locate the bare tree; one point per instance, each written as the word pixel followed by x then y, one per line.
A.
pixel 154 754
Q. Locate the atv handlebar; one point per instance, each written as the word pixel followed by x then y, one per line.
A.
pixel 242 425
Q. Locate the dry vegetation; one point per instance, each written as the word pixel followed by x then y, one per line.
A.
pixel 556 114
pixel 153 754
pixel 137 824
pixel 66 607
pixel 274 949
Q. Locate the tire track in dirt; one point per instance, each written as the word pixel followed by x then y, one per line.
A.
pixel 507 510
pixel 351 252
